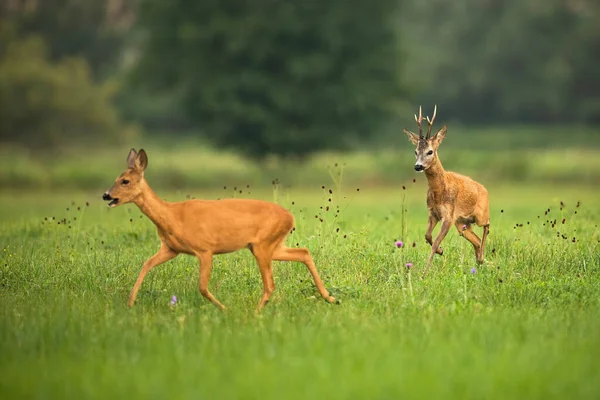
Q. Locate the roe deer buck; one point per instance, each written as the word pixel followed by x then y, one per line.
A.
pixel 202 228
pixel 452 198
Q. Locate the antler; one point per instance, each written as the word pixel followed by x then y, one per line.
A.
pixel 431 121
pixel 419 122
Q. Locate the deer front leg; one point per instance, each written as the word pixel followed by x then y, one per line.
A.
pixel 446 224
pixel 205 260
pixel 431 223
pixel 164 254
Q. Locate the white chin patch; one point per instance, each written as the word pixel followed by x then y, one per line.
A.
pixel 113 203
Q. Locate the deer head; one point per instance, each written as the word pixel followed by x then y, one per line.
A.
pixel 128 185
pixel 426 151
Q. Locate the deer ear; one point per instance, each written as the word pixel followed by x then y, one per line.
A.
pixel 439 136
pixel 141 161
pixel 413 137
pixel 131 158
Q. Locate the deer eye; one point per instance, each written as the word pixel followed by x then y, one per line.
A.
pixel 430 152
pixel 125 182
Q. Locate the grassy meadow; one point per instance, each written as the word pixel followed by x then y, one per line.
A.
pixel 523 325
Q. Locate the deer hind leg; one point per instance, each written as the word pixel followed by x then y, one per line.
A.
pixel 205 260
pixel 163 255
pixel 480 256
pixel 264 258
pixel 283 253
pixel 446 224
pixel 471 236
pixel 431 223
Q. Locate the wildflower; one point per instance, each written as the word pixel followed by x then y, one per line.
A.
pixel 173 300
pixel 408 266
pixel 473 270
pixel 399 244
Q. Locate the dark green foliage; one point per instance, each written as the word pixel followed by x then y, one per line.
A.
pixel 275 77
pixel 92 30
pixel 293 77
pixel 523 61
pixel 51 104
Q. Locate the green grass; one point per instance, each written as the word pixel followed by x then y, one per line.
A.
pixel 559 155
pixel 525 325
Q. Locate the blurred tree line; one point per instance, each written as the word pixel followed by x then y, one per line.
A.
pixel 498 62
pixel 58 62
pixel 290 77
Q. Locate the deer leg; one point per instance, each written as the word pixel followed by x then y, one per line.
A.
pixel 164 254
pixel 471 236
pixel 431 223
pixel 446 224
pixel 480 256
pixel 265 265
pixel 283 253
pixel 205 260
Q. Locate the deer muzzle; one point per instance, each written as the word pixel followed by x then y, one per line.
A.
pixel 113 201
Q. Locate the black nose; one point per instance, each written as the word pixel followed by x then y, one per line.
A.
pixel 106 196
pixel 418 167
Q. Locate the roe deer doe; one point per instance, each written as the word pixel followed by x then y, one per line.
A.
pixel 452 198
pixel 202 228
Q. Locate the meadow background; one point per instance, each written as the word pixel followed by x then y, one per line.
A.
pixel 302 105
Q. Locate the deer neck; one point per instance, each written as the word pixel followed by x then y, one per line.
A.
pixel 154 207
pixel 436 176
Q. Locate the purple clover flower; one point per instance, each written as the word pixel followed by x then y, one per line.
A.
pixel 473 270
pixel 409 265
pixel 399 244
pixel 173 300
